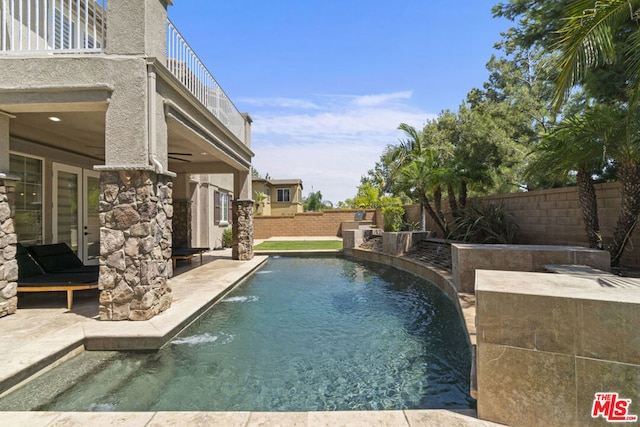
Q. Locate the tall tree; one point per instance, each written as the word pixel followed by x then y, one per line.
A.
pixel 605 36
pixel 314 202
pixel 415 161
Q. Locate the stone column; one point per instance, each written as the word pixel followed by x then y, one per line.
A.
pixel 8 240
pixel 182 223
pixel 242 230
pixel 136 214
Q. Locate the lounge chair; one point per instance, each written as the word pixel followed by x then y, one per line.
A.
pixel 186 253
pixel 59 258
pixel 33 278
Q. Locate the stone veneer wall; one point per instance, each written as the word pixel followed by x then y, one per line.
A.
pixel 182 223
pixel 136 214
pixel 8 240
pixel 242 248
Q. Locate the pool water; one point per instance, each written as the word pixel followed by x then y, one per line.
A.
pixel 303 334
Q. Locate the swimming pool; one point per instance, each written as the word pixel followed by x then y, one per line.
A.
pixel 302 334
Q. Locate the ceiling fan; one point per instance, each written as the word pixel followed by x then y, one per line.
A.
pixel 173 155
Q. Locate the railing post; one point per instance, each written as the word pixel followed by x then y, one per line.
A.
pixel 194 75
pixel 43 25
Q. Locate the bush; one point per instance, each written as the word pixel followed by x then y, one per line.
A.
pixel 227 238
pixel 392 218
pixel 488 223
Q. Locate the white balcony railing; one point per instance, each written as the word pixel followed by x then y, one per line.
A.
pixel 52 26
pixel 189 69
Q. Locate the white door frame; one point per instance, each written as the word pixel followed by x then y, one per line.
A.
pixel 82 219
pixel 86 232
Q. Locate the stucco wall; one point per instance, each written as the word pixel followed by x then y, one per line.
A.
pixel 325 223
pixel 553 217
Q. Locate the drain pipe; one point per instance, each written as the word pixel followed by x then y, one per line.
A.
pixel 151 120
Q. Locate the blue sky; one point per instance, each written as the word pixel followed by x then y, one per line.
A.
pixel 328 82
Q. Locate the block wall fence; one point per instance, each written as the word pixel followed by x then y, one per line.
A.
pixel 325 223
pixel 545 217
pixel 553 217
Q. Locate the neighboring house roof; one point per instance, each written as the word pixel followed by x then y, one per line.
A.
pixel 279 182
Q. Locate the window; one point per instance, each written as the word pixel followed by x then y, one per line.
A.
pixel 224 208
pixel 221 208
pixel 284 195
pixel 28 197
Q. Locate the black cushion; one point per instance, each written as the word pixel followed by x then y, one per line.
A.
pixel 56 257
pixel 27 266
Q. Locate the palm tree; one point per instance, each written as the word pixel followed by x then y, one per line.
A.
pixel 414 164
pixel 417 176
pixel 593 36
pixel 577 144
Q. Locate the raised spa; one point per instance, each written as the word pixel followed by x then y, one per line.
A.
pixel 303 334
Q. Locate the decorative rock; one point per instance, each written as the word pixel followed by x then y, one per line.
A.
pixel 111 240
pixel 122 294
pixel 5 211
pixel 11 270
pixel 9 291
pixel 116 260
pixel 125 216
pixel 139 230
pixel 110 193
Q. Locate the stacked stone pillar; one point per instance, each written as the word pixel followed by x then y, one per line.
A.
pixel 182 223
pixel 136 214
pixel 242 248
pixel 8 240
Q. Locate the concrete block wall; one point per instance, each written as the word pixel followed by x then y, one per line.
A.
pixel 325 223
pixel 553 217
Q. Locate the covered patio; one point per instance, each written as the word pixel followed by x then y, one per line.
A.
pixel 122 147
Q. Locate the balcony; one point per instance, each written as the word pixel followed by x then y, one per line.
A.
pixel 183 63
pixel 52 27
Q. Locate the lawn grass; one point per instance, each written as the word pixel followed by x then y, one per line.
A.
pixel 298 245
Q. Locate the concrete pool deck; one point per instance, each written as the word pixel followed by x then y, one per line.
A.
pixel 42 333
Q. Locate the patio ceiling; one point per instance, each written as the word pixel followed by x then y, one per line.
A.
pixel 83 132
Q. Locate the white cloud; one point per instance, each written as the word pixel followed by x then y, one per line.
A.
pixel 279 103
pixel 331 146
pixel 381 99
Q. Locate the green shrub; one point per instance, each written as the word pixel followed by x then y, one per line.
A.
pixel 410 226
pixel 392 218
pixel 487 223
pixel 227 238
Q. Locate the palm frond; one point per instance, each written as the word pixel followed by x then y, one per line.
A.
pixel 587 40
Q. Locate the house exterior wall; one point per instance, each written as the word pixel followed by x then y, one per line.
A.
pixel 286 208
pixel 138 108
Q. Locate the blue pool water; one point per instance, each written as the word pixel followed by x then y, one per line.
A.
pixel 303 334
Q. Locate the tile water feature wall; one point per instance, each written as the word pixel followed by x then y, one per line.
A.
pixel 136 214
pixel 547 343
pixel 8 240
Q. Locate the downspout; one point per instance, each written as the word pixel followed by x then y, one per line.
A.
pixel 151 102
